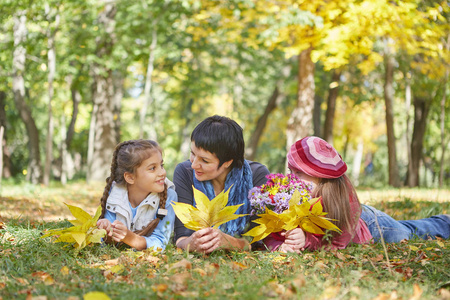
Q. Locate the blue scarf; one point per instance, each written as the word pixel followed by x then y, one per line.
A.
pixel 241 180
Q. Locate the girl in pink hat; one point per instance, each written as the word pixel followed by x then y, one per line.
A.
pixel 314 160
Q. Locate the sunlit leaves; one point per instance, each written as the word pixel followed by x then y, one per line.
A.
pixel 309 216
pixel 84 231
pixel 207 213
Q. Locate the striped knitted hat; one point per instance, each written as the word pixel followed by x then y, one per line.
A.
pixel 315 157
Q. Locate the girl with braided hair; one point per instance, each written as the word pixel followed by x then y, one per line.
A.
pixel 136 202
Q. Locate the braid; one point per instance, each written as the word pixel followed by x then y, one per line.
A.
pixel 111 177
pixel 153 223
pixel 163 197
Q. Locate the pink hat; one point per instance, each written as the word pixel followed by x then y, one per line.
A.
pixel 315 157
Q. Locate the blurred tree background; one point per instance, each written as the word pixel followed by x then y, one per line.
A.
pixel 369 76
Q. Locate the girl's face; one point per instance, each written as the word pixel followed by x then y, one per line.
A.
pixel 206 165
pixel 305 177
pixel 150 175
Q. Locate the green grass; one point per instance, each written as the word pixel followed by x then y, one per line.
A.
pixel 31 266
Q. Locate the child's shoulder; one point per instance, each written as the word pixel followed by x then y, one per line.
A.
pixel 171 194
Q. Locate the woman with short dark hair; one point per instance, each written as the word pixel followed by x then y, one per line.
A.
pixel 216 164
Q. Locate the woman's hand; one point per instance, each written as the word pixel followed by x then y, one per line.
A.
pixel 294 241
pixel 209 239
pixel 105 224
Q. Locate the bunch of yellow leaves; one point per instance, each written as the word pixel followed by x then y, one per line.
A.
pixel 83 232
pixel 207 213
pixel 308 215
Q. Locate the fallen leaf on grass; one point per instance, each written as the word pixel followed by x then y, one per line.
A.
pixel 339 255
pixel 444 293
pixel 64 270
pixel 440 243
pixel 201 272
pixel 2 225
pixel 298 282
pixel 237 266
pixel 184 263
pixel 96 296
pixel 331 292
pixel 83 232
pixel 413 248
pixel 2 285
pixel 212 269
pixel 181 278
pixel 160 288
pixel 417 292
pixel 45 277
pixel 112 262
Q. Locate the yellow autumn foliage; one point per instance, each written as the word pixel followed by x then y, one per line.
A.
pixel 207 213
pixel 83 232
pixel 308 215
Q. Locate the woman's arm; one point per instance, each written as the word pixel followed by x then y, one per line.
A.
pixel 209 239
pixel 183 180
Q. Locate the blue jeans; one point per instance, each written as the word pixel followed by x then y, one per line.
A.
pixel 380 224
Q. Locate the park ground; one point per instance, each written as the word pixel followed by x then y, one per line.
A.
pixel 35 268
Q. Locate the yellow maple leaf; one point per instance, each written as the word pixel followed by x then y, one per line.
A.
pixel 84 231
pixel 308 215
pixel 207 213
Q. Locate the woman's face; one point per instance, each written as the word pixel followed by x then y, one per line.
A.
pixel 206 164
pixel 305 177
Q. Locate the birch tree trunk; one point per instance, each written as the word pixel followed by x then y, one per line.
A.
pixel 389 103
pixel 34 173
pixel 148 100
pixel 51 56
pixel 300 122
pixel 331 107
pixel 357 159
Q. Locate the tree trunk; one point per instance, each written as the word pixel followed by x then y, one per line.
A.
pixel 63 151
pixel 442 121
pixel 389 102
pixel 76 99
pixel 331 107
pixel 300 122
pixel 148 87
pixel 51 55
pixel 357 159
pixel 317 115
pixel 117 90
pixel 6 170
pixel 408 125
pixel 185 133
pixel 2 130
pixel 34 173
pixel 261 123
pixel 421 109
pixel 103 132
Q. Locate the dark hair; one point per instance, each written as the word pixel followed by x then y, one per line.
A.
pixel 221 136
pixel 128 156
